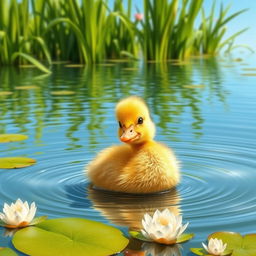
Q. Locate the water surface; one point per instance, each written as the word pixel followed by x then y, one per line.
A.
pixel 204 110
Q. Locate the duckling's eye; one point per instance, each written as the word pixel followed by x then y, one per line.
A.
pixel 140 120
pixel 120 125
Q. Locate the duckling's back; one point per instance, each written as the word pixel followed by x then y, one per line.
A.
pixel 147 169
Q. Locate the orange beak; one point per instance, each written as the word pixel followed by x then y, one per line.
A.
pixel 128 134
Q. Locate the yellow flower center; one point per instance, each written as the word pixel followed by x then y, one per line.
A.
pixel 18 208
pixel 163 221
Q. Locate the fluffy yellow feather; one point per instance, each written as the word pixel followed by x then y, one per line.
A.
pixel 141 165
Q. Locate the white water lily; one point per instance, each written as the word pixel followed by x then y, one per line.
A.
pixel 18 214
pixel 215 247
pixel 164 227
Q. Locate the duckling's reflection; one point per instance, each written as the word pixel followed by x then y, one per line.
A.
pixel 128 209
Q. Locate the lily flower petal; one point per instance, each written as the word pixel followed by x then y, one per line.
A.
pixel 18 214
pixel 215 247
pixel 163 227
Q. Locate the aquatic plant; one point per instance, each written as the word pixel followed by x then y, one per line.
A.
pixel 163 227
pixel 210 36
pixel 92 24
pixel 12 137
pixel 231 244
pixel 19 214
pixel 4 251
pixel 121 39
pixel 18 37
pixel 167 31
pixel 16 162
pixel 215 247
pixel 71 236
pixel 90 31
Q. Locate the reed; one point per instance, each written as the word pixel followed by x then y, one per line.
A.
pixel 168 29
pixel 213 29
pixel 89 31
pixel 17 38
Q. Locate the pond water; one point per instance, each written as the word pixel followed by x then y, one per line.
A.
pixel 203 109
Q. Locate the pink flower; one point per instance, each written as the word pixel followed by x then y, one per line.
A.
pixel 139 16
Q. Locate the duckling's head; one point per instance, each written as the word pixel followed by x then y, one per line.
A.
pixel 135 124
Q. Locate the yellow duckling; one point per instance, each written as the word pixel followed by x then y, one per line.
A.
pixel 141 165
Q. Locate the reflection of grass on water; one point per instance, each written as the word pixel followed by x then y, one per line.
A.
pixel 91 31
pixel 88 109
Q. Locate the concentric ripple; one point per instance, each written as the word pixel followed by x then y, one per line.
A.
pixel 211 129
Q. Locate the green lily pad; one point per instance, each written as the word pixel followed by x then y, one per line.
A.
pixel 35 221
pixel 130 69
pixel 27 87
pixel 12 137
pixel 4 251
pixel 63 92
pixel 198 251
pixel 74 65
pixel 5 93
pixel 138 235
pixel 15 162
pixel 69 236
pixel 249 69
pixel 248 74
pixel 203 252
pixel 192 86
pixel 106 64
pixel 240 245
pixel 27 66
pixel 38 220
pixel 184 238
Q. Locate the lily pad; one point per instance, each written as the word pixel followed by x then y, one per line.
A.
pixel 27 87
pixel 180 63
pixel 240 245
pixel 192 86
pixel 74 65
pixel 198 251
pixel 130 69
pixel 12 137
pixel 184 238
pixel 5 93
pixel 27 66
pixel 203 252
pixel 60 62
pixel 138 235
pixel 63 92
pixel 4 251
pixel 118 60
pixel 35 221
pixel 249 69
pixel 106 64
pixel 16 162
pixel 70 236
pixel 249 74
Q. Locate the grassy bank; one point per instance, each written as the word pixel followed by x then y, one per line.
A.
pixel 89 31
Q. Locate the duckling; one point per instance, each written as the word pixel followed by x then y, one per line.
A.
pixel 141 165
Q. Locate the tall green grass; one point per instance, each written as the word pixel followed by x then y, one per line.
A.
pixel 18 41
pixel 213 29
pixel 168 29
pixel 90 31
